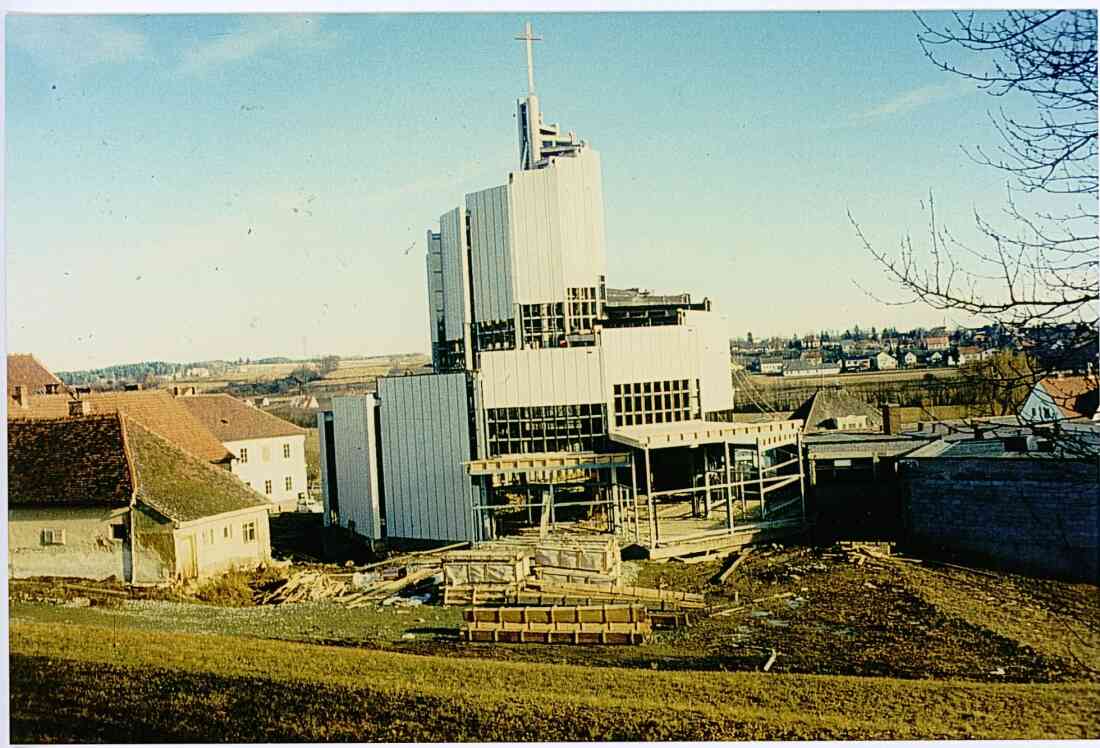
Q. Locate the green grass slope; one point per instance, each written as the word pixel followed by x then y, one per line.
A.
pixel 84 683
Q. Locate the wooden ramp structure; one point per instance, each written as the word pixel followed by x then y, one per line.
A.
pixel 592 624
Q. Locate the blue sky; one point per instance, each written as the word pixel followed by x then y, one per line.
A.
pixel 194 187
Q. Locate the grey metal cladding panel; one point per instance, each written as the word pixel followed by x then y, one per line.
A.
pixel 353 472
pixel 504 249
pixel 489 252
pixel 425 437
pixel 390 428
pixel 453 295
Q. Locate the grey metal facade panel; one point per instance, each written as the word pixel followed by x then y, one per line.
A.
pixel 490 254
pixel 541 376
pixel 452 240
pixel 356 464
pixel 425 441
pixel 557 228
pixel 435 284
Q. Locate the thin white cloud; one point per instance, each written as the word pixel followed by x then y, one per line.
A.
pixel 914 99
pixel 72 43
pixel 255 35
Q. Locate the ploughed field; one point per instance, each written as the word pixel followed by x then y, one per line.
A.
pixel 867 649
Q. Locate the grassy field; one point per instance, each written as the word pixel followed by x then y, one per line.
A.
pixel 184 687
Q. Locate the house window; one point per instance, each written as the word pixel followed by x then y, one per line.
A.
pixel 53 537
pixel 227 532
pixel 288 483
pixel 244 455
pixel 248 531
pixel 208 537
pixel 286 451
pixel 265 453
pixel 118 532
pixel 267 487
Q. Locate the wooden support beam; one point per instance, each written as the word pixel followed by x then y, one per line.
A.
pixel 729 489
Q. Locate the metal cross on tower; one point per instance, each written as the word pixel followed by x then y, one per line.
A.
pixel 529 37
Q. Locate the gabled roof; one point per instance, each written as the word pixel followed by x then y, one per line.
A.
pixel 1074 396
pixel 181 486
pixel 106 460
pixel 156 410
pixel 69 462
pixel 26 370
pixel 824 405
pixel 232 420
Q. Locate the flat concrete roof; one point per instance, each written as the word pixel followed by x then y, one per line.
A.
pixel 695 432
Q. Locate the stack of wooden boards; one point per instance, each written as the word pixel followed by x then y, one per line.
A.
pixel 594 624
pixel 563 573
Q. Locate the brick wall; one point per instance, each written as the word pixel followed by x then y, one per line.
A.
pixel 1036 516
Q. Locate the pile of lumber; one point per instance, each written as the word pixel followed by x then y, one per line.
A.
pixel 859 552
pixel 313 586
pixel 671 598
pixel 595 624
pixel 304 587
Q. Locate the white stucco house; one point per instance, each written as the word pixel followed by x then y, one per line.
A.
pixel 883 361
pixel 269 454
pixel 100 496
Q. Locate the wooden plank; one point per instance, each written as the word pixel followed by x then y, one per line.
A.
pixel 733 567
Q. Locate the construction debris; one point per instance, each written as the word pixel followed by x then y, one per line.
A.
pixel 733 567
pixel 314 586
pixel 771 661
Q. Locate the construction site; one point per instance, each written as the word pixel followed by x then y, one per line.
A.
pixel 566 512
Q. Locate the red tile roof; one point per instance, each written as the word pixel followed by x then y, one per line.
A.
pixel 1074 396
pixel 156 410
pixel 69 462
pixel 179 485
pixel 26 370
pixel 231 420
pixel 110 459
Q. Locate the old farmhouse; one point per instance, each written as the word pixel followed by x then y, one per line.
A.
pixel 101 496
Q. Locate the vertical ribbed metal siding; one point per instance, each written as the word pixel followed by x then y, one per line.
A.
pixel 435 285
pixel 452 240
pixel 356 463
pixel 557 228
pixel 541 376
pixel 715 378
pixel 580 214
pixel 490 254
pixel 425 441
pixel 536 256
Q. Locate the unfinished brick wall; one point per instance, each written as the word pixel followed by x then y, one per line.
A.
pixel 1036 516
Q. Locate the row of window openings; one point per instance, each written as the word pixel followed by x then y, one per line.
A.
pixel 243 456
pixel 56 536
pixel 288 484
pixel 536 445
pixel 248 533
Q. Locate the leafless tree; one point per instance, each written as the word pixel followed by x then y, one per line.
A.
pixel 1034 270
